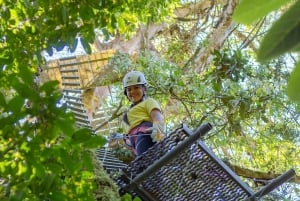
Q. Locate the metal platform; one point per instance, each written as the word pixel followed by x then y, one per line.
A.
pixel 182 168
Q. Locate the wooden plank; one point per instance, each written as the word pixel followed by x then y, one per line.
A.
pixel 70 84
pixel 78 91
pixel 78 104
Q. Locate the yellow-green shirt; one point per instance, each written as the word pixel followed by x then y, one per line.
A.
pixel 141 112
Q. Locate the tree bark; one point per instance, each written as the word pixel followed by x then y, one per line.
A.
pixel 202 57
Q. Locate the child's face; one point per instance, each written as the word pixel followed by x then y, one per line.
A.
pixel 135 93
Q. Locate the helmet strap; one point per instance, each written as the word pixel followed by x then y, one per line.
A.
pixel 142 99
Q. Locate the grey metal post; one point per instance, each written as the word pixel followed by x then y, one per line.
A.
pixel 273 184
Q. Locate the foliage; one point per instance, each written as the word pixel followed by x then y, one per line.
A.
pixel 106 188
pixel 40 148
pixel 123 153
pixel 128 197
pixel 48 158
pixel 248 11
pixel 256 126
pixel 43 156
pixel 293 88
pixel 282 37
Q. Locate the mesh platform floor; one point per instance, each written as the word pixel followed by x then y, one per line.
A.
pixel 194 174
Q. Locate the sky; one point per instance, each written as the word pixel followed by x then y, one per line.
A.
pixel 65 52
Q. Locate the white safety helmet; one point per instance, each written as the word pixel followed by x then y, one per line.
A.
pixel 134 78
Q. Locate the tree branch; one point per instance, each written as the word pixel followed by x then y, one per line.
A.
pixel 257 175
pixel 112 117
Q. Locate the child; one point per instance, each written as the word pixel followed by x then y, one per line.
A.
pixel 144 117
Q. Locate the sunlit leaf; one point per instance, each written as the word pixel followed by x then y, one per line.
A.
pixel 15 104
pixel 57 195
pixel 49 86
pixel 73 45
pixel 25 87
pixel 2 100
pixel 5 59
pixel 127 197
pixel 283 35
pixel 38 168
pixel 87 160
pixel 137 199
pixel 94 142
pixel 293 89
pixel 64 13
pixel 86 46
pixel 67 129
pixel 81 135
pixel 67 158
pixel 49 182
pixel 249 11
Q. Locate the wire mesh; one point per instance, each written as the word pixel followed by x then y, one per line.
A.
pixel 191 175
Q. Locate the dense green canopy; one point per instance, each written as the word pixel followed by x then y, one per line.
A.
pixel 200 64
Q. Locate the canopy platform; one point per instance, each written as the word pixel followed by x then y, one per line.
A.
pixel 76 72
pixel 77 76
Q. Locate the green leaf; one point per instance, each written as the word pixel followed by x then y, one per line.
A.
pixel 94 142
pixel 137 199
pixel 216 84
pixel 5 58
pixel 58 195
pixel 38 167
pixel 283 35
pixel 293 88
pixel 49 86
pixel 55 167
pixel 66 123
pixel 26 90
pixel 2 100
pixel 87 160
pixel 16 104
pixel 249 11
pixel 73 45
pixel 126 197
pixel 49 182
pixel 68 160
pixel 86 46
pixel 81 135
pixel 64 13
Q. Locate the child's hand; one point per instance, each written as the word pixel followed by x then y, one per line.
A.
pixel 157 137
pixel 157 131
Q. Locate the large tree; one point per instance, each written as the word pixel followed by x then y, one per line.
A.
pixel 207 72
